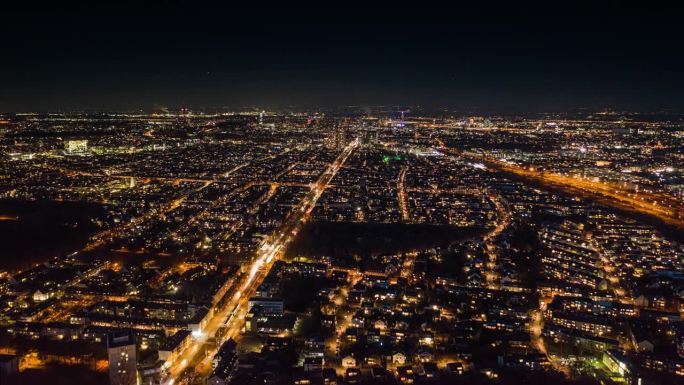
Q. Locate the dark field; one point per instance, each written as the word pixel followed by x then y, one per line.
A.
pixel 32 232
pixel 59 375
pixel 340 239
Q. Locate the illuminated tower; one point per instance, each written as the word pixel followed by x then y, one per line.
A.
pixel 122 359
pixel 342 135
pixel 184 116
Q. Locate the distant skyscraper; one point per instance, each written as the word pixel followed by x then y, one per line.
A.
pixel 338 136
pixel 184 117
pixel 369 136
pixel 122 359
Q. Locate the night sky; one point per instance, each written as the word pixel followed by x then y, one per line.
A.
pixel 529 58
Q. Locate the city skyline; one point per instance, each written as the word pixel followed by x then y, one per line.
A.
pixel 342 248
pixel 341 193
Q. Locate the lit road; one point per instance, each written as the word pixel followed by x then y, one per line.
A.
pixel 233 313
pixel 344 313
pixel 491 249
pixel 609 270
pixel 536 328
pixel 407 265
pixel 403 197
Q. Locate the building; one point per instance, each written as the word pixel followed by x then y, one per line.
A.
pixel 151 372
pixel 338 136
pixel 348 362
pixel 9 365
pixel 121 351
pixel 225 364
pixel 618 363
pixel 175 345
pixel 75 147
pixel 267 305
pixel 313 364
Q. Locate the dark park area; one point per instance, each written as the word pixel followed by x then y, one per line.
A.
pixel 339 239
pixel 32 232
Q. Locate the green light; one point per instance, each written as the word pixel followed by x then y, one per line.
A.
pixel 388 158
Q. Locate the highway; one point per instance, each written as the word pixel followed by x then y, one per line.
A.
pixel 232 315
pixel 663 207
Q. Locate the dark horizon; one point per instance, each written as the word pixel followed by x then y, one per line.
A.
pixel 528 59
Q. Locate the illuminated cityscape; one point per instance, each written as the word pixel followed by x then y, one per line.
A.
pixel 245 197
pixel 237 247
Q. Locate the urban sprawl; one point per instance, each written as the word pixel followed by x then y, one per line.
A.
pixel 382 246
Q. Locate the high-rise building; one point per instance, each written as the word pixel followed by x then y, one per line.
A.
pixel 369 136
pixel 338 136
pixel 184 117
pixel 122 359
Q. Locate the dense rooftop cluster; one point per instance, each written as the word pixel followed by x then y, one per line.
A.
pixel 283 248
